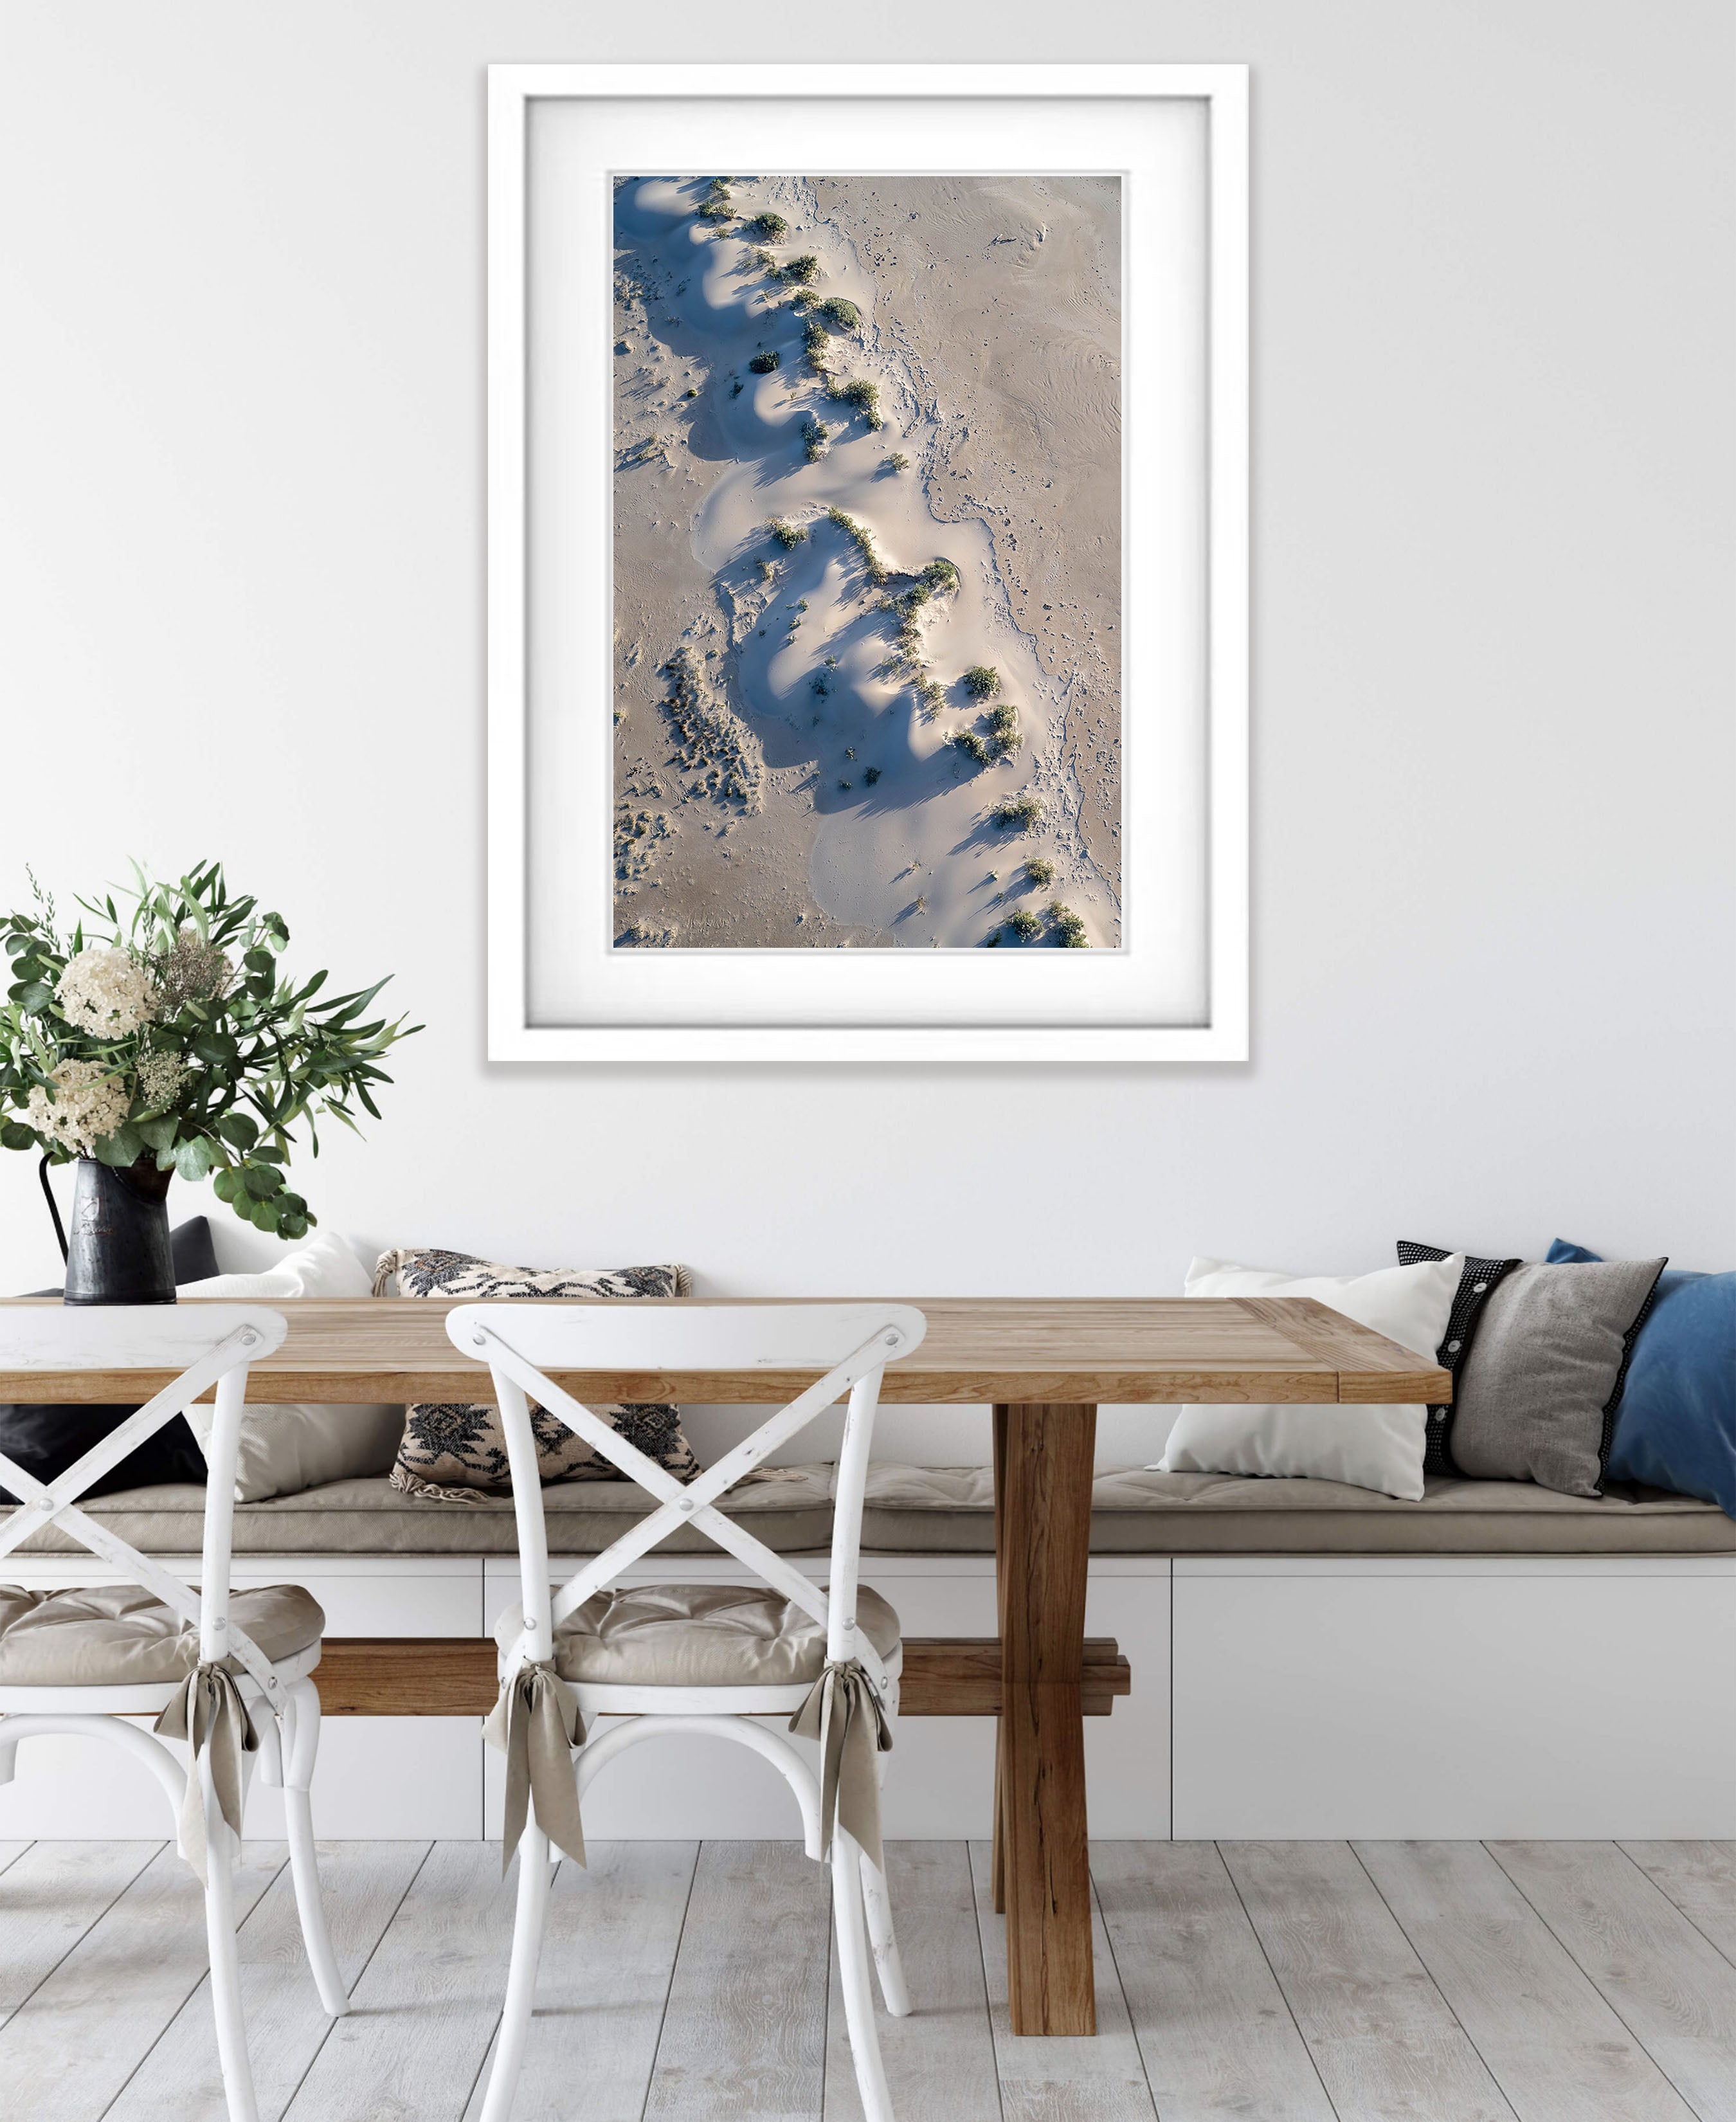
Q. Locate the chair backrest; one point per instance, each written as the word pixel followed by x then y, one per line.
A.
pixel 643 1350
pixel 206 1345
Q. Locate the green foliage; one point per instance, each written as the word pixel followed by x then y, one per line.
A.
pixel 789 535
pixel 983 681
pixel 813 435
pixel 864 396
pixel 816 340
pixel 1024 925
pixel 768 227
pixel 800 271
pixel 873 565
pixel 1070 930
pixel 967 742
pixel 940 577
pixel 898 461
pixel 224 1060
pixel 1040 870
pixel 716 205
pixel 841 315
pixel 763 364
pixel 872 775
pixel 1022 811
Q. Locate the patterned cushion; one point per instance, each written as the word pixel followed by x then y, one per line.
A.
pixel 1477 1284
pixel 456 1452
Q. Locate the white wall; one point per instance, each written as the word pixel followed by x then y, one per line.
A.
pixel 241 559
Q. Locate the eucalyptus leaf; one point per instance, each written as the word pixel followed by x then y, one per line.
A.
pixel 261 1181
pixel 158 1132
pixel 194 1157
pixel 124 1147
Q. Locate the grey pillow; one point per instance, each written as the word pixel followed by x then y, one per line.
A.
pixel 1536 1398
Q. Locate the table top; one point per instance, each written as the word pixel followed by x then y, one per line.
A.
pixel 1056 1349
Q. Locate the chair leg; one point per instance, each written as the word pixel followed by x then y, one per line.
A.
pixel 527 1947
pixel 853 1978
pixel 304 1865
pixel 226 1971
pixel 877 1902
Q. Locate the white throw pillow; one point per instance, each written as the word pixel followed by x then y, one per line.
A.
pixel 1370 1447
pixel 285 1450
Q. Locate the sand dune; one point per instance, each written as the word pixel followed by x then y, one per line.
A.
pixel 869 825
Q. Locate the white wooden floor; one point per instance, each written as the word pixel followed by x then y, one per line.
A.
pixel 1279 1982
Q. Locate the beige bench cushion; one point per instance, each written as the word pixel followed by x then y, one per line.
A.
pixel 370 1516
pixel 950 1510
pixel 698 1635
pixel 121 1635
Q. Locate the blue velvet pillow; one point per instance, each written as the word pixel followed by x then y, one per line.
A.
pixel 1677 1426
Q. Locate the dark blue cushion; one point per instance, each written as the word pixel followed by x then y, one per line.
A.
pixel 1677 1426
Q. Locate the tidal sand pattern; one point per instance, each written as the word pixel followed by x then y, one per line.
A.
pixel 867 561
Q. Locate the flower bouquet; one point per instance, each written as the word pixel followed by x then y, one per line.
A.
pixel 166 1040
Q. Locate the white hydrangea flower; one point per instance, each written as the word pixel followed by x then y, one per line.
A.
pixel 106 991
pixel 89 1103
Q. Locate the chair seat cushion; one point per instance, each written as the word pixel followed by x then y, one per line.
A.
pixel 698 1635
pixel 121 1635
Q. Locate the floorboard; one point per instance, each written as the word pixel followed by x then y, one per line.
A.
pixel 1046 2078
pixel 1212 2024
pixel 424 2012
pixel 1553 2045
pixel 608 1957
pixel 1671 1988
pixel 179 2081
pixel 744 2035
pixel 50 1894
pixel 1700 1877
pixel 1271 1982
pixel 1384 2040
pixel 940 2060
pixel 68 2050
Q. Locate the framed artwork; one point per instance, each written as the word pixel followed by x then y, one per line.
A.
pixel 868 562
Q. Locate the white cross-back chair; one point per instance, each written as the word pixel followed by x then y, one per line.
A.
pixel 228 1672
pixel 658 1658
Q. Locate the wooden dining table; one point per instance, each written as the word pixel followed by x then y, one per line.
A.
pixel 1044 1366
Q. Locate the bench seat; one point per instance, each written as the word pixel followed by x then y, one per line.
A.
pixel 950 1510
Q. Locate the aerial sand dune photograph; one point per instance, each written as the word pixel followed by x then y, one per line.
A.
pixel 867 561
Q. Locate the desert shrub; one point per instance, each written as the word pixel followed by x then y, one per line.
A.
pixel 814 434
pixel 874 566
pixel 769 227
pixel 1004 721
pixel 872 775
pixel 735 387
pixel 717 205
pixel 690 393
pixel 967 742
pixel 1024 925
pixel 1070 931
pixel 1019 810
pixel 815 340
pixel 983 681
pixel 898 461
pixel 789 535
pixel 842 315
pixel 931 698
pixel 864 396
pixel 799 271
pixel 940 577
pixel 763 364
pixel 1040 870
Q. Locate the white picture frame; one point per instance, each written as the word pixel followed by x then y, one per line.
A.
pixel 859 1023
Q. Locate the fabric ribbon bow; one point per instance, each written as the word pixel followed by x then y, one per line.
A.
pixel 846 1716
pixel 536 1724
pixel 209 1712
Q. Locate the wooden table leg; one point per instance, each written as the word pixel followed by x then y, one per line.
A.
pixel 1042 1539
